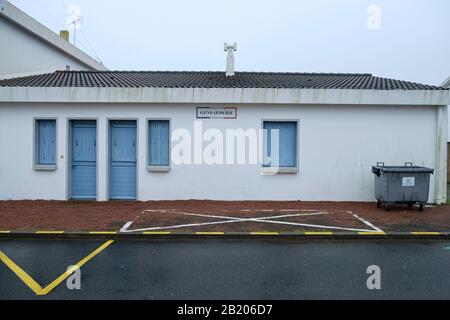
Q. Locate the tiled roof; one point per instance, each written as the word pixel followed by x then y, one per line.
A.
pixel 207 79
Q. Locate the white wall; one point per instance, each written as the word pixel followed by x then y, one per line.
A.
pixel 338 145
pixel 22 52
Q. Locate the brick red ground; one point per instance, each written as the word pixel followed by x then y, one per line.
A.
pixel 103 216
pixel 336 218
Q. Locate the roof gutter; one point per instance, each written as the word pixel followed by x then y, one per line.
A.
pixel 225 96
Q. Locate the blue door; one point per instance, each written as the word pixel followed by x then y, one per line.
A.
pixel 122 160
pixel 84 160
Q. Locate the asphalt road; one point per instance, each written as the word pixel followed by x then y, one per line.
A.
pixel 232 270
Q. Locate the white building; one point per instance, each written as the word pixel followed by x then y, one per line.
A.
pixel 122 135
pixel 29 47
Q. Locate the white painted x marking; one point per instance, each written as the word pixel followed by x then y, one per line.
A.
pixel 125 228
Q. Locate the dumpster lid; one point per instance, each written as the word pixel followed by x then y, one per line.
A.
pixel 408 167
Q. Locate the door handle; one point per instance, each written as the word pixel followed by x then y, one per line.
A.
pixel 76 143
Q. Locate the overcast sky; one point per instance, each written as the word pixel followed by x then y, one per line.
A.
pixel 410 40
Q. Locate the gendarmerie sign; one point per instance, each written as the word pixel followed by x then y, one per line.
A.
pixel 217 113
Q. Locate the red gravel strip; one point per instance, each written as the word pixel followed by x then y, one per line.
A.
pixel 104 216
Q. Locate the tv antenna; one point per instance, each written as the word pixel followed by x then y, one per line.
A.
pixel 75 24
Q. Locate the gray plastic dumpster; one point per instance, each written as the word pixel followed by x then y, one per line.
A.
pixel 401 185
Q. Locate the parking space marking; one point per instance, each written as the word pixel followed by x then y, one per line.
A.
pixel 21 274
pixel 228 219
pixel 367 223
pixel 78 265
pixel 36 287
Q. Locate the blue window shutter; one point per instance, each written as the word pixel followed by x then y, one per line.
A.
pixel 158 142
pixel 46 142
pixel 268 126
pixel 287 143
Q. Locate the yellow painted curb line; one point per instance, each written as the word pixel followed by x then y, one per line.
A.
pixel 103 232
pixel 200 233
pixel 210 233
pixel 264 233
pixel 319 233
pixel 156 233
pixel 426 233
pixel 49 232
pixel 372 233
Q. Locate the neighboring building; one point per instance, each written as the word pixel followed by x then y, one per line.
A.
pixel 29 47
pixel 118 135
pixel 446 84
pixel 448 163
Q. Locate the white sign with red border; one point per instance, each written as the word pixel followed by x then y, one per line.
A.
pixel 217 113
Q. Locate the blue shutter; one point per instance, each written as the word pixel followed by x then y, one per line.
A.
pixel 288 141
pixel 287 144
pixel 158 142
pixel 268 126
pixel 46 142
